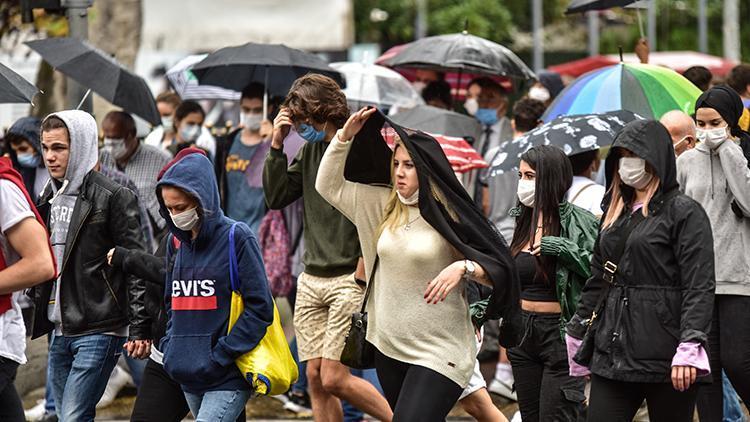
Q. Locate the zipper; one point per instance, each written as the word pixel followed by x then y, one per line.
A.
pixel 109 287
pixel 75 237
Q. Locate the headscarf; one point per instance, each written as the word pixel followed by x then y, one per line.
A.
pixel 446 205
pixel 729 105
pixel 552 81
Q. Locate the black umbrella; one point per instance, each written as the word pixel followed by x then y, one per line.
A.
pixel 464 53
pixel 14 88
pixel 439 121
pixel 580 6
pixel 573 134
pixel 95 70
pixel 274 65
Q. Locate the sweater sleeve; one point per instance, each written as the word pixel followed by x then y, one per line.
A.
pixel 347 197
pixel 282 185
pixel 251 326
pixel 734 164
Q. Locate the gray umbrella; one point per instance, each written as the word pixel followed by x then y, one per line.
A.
pixel 14 88
pixel 438 121
pixel 463 53
pixel 95 70
pixel 573 134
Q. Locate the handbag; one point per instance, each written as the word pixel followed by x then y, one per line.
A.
pixel 359 353
pixel 269 368
pixel 609 271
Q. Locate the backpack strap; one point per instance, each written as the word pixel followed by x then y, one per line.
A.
pixel 573 199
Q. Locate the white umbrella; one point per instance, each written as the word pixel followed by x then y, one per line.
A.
pixel 187 87
pixel 370 84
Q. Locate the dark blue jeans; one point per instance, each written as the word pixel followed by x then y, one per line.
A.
pixel 80 368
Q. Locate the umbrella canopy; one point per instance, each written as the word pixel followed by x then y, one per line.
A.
pixel 95 70
pixel 186 84
pixel 370 84
pixel 464 53
pixel 450 129
pixel 679 61
pixel 274 65
pixel 573 134
pixel 647 90
pixel 14 88
pixel 580 6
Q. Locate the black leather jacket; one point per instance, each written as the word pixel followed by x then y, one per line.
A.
pixel 94 297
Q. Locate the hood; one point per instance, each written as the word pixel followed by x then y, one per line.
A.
pixel 84 147
pixel 650 140
pixel 552 81
pixel 28 128
pixel 193 174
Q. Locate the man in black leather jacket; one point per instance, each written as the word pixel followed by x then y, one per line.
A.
pixel 90 307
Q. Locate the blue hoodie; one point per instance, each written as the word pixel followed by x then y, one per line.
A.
pixel 198 353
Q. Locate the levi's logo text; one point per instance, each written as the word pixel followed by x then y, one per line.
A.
pixel 193 295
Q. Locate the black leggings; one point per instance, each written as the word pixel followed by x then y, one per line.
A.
pixel 414 392
pixel 11 408
pixel 618 401
pixel 728 349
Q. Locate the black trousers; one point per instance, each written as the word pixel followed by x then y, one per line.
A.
pixel 728 349
pixel 414 392
pixel 540 368
pixel 11 407
pixel 618 401
pixel 159 397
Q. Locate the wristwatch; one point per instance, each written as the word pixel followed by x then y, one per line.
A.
pixel 469 268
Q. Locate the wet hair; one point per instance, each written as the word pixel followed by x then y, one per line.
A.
pixel 739 78
pixel 52 123
pixel 700 76
pixel 124 120
pixel 526 114
pixel 582 161
pixel 186 108
pixel 319 98
pixel 253 90
pixel 169 97
pixel 438 90
pixel 554 175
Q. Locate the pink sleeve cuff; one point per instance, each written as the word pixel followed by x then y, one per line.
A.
pixel 576 370
pixel 692 354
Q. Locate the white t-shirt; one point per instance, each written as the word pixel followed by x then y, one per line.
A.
pixel 587 194
pixel 13 209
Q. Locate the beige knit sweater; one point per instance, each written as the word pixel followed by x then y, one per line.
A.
pixel 401 324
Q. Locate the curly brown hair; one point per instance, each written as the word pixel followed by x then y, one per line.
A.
pixel 318 98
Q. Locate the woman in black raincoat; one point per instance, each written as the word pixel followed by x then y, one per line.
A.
pixel 653 303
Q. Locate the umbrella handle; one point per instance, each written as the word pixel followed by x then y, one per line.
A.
pixel 86 95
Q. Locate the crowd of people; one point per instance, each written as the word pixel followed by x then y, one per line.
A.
pixel 600 282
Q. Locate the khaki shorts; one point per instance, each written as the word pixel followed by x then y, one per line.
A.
pixel 323 314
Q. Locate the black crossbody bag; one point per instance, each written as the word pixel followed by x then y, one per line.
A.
pixel 358 353
pixel 609 273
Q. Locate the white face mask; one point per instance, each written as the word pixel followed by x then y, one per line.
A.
pixel 166 123
pixel 185 220
pixel 411 200
pixel 526 192
pixel 419 86
pixel 115 146
pixel 539 93
pixel 713 138
pixel 251 121
pixel 471 105
pixel 633 172
pixel 190 132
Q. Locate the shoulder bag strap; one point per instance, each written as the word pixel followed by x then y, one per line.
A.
pixel 573 199
pixel 369 282
pixel 233 266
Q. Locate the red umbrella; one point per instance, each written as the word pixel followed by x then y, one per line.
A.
pixel 678 61
pixel 462 156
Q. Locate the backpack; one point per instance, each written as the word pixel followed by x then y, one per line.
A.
pixel 276 248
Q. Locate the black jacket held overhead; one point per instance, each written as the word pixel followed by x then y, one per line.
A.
pixel 663 292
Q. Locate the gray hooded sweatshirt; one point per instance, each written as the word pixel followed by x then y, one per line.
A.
pixel 83 156
pixel 715 179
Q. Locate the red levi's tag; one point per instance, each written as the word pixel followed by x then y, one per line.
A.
pixel 194 303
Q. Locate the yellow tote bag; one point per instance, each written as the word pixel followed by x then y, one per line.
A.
pixel 269 367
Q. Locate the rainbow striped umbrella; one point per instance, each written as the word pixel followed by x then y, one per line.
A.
pixel 647 90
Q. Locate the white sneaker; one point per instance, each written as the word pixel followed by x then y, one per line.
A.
pixel 37 412
pixel 117 381
pixel 502 388
pixel 516 416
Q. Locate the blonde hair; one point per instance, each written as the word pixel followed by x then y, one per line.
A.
pixel 617 203
pixel 395 213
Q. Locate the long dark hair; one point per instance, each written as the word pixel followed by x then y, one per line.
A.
pixel 554 175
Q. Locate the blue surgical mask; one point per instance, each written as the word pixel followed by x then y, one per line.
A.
pixel 487 116
pixel 310 134
pixel 29 160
